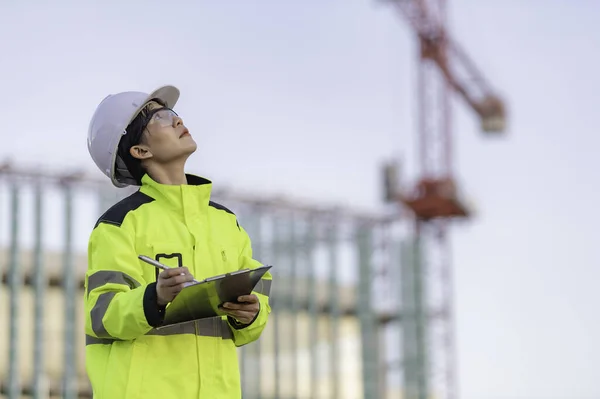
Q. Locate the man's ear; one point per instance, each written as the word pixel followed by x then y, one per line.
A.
pixel 140 152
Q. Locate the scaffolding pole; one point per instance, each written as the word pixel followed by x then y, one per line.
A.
pixel 14 276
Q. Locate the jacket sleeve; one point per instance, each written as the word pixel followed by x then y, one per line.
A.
pixel 118 303
pixel 244 334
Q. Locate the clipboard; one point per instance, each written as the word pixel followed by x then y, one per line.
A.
pixel 201 300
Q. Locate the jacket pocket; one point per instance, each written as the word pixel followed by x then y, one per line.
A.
pixel 173 255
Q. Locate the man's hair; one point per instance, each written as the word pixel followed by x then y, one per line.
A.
pixel 135 135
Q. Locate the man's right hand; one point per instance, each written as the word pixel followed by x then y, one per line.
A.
pixel 170 283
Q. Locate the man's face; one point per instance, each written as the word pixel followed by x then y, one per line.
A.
pixel 165 137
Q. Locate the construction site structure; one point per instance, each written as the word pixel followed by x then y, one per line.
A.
pixel 336 316
pixel 429 359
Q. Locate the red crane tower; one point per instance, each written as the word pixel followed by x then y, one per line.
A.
pixel 429 356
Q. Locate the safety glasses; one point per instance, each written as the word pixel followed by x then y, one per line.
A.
pixel 163 116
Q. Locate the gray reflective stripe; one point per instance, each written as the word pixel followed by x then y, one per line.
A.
pixel 263 287
pixel 104 277
pixel 213 327
pixel 89 340
pixel 98 312
pixel 97 280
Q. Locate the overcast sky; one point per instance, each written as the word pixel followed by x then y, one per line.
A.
pixel 307 98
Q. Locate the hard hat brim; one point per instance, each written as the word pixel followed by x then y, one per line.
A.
pixel 167 94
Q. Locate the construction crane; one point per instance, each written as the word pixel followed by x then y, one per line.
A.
pixel 429 361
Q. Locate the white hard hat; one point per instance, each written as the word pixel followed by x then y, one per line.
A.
pixel 108 124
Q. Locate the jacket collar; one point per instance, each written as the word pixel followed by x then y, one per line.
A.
pixel 192 196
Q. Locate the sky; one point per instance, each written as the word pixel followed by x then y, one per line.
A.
pixel 306 99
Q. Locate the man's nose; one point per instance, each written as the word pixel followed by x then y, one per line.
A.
pixel 177 121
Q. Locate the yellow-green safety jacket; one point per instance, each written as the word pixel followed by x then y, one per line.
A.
pixel 126 356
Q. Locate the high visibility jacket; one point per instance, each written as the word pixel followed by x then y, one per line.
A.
pixel 126 356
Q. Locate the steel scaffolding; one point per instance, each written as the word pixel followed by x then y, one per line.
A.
pixel 335 330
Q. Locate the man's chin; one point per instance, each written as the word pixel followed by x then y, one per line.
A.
pixel 193 148
pixel 190 147
pixel 189 151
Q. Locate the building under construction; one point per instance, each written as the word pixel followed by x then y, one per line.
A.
pixel 334 331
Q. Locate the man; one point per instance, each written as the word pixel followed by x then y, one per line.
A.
pixel 137 139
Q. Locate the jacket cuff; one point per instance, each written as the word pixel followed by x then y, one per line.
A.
pixel 154 314
pixel 239 326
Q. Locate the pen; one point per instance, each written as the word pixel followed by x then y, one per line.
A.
pixel 158 265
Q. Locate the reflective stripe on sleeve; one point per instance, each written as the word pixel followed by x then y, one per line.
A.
pixel 213 327
pixel 97 280
pixel 98 312
pixel 104 277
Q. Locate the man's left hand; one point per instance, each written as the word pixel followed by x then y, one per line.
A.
pixel 245 310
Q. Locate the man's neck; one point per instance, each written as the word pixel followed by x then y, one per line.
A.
pixel 172 174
